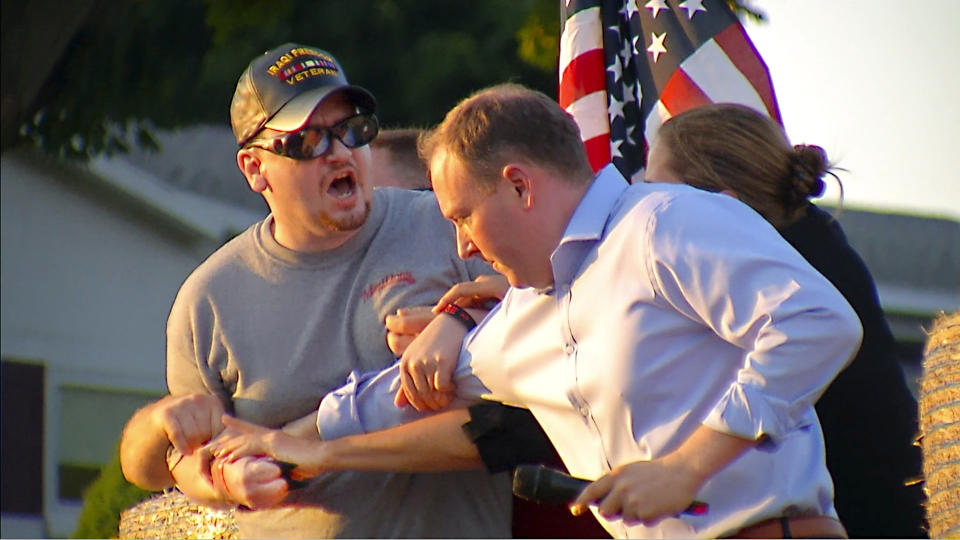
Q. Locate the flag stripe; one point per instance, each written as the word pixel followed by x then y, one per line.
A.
pixel 583 75
pixel 590 112
pixel 658 115
pixel 581 33
pixel 582 85
pixel 681 93
pixel 719 77
pixel 598 151
pixel 746 58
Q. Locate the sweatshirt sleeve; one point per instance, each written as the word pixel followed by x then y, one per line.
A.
pixel 192 350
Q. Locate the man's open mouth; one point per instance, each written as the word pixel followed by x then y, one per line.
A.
pixel 342 186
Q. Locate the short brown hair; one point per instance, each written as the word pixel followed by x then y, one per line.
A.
pixel 401 145
pixel 510 122
pixel 727 146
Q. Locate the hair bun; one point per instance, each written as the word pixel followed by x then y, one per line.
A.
pixel 808 164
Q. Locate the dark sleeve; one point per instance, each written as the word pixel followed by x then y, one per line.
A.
pixel 508 436
pixel 868 414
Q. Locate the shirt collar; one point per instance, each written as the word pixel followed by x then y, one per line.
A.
pixel 587 224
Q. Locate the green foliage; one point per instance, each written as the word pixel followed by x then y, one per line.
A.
pixel 539 37
pixel 103 501
pixel 130 67
pixel 742 10
pixel 141 64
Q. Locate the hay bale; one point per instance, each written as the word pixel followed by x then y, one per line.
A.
pixel 940 426
pixel 172 515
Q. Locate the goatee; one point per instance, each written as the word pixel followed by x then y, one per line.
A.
pixel 346 223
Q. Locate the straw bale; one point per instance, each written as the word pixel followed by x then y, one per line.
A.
pixel 940 426
pixel 172 515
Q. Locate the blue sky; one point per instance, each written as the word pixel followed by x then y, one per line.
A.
pixel 877 84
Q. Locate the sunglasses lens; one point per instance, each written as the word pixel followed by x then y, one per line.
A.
pixel 358 130
pixel 313 143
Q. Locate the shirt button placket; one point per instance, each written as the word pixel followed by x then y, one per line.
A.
pixel 570 350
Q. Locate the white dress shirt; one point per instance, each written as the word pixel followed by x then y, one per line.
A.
pixel 672 307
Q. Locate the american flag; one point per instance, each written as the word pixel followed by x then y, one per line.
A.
pixel 626 66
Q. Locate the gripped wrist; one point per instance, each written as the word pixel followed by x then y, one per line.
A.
pixel 460 315
pixel 687 473
pixel 173 457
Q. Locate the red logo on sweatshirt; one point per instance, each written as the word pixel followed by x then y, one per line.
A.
pixel 387 281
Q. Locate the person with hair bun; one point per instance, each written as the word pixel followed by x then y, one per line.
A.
pixel 868 414
pixel 734 149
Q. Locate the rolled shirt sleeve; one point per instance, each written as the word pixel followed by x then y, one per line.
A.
pixel 365 402
pixel 362 403
pixel 757 293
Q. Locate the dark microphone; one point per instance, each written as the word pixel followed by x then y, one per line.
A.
pixel 544 485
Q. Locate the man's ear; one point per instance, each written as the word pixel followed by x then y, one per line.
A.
pixel 519 180
pixel 249 164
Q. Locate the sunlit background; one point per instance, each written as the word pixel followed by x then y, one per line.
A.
pixel 93 252
pixel 876 83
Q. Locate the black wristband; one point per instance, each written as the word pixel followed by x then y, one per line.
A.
pixel 460 314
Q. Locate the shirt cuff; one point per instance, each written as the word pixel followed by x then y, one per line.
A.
pixel 337 415
pixel 747 412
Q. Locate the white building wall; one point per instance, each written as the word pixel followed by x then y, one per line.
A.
pixel 84 286
pixel 87 282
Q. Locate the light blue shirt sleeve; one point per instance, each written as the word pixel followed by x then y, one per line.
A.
pixel 365 402
pixel 732 278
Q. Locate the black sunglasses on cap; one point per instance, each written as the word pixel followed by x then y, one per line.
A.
pixel 312 142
